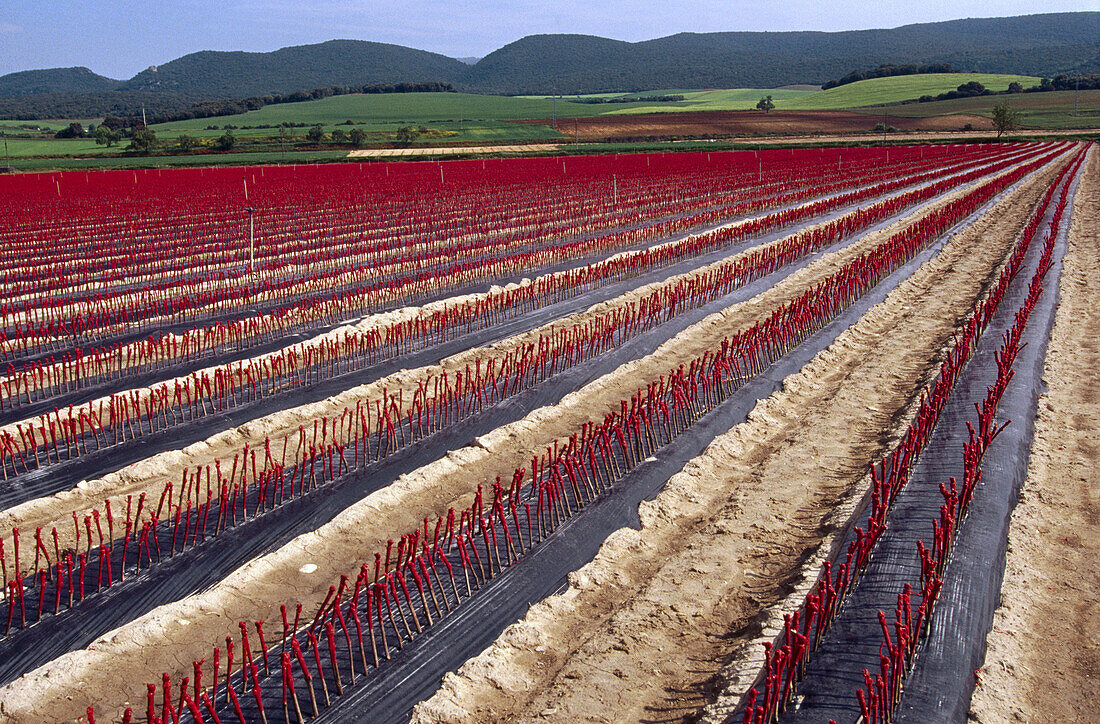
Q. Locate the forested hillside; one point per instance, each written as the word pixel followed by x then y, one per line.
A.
pixel 1040 45
pixel 337 62
pixel 54 80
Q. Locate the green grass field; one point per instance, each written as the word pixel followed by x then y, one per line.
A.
pixel 47 146
pixel 461 118
pixel 617 94
pixel 1037 110
pixel 870 92
pixel 386 111
pixel 876 91
pixel 396 108
pixel 735 99
pixel 449 117
pixel 380 132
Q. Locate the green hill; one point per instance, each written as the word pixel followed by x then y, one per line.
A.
pixel 54 80
pixel 92 105
pixel 211 74
pixel 1041 45
pixel 876 91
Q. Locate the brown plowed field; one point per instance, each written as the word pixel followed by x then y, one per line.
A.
pixel 710 124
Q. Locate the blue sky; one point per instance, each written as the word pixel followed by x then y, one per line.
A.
pixel 118 38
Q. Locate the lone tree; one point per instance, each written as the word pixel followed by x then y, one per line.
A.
pixel 186 143
pixel 1005 118
pixel 316 134
pixel 356 136
pixel 143 140
pixel 226 142
pixel 972 88
pixel 74 130
pixel 765 104
pixel 107 136
pixel 406 135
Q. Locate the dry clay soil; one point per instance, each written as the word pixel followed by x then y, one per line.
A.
pixel 1043 658
pixel 646 628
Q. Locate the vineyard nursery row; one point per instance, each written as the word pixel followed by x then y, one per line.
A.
pixel 816 304
pixel 804 629
pixel 98 318
pixel 137 412
pixel 441 234
pixel 132 357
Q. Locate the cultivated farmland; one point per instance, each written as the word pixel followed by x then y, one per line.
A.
pixel 1037 110
pixel 709 435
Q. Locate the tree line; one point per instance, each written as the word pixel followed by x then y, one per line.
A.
pixel 143 139
pixel 163 106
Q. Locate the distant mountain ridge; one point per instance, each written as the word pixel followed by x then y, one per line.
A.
pixel 225 74
pixel 1042 45
pixel 55 80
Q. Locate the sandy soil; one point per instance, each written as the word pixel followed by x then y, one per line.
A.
pixel 645 628
pixel 749 123
pixel 1043 657
pixel 113 669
